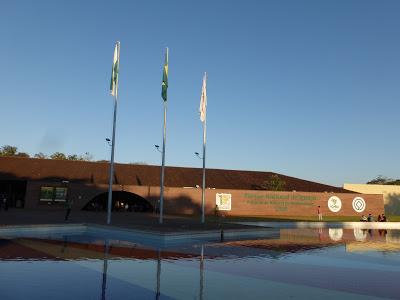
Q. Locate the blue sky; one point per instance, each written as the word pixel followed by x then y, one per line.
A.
pixel 305 88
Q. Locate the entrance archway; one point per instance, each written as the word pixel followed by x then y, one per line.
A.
pixel 121 201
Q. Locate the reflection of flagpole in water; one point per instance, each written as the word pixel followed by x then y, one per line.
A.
pixel 201 272
pixel 158 274
pixel 105 267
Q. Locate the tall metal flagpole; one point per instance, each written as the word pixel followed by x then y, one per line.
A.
pixel 112 164
pixel 113 136
pixel 165 86
pixel 203 190
pixel 163 164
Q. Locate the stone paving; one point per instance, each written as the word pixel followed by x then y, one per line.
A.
pixel 129 220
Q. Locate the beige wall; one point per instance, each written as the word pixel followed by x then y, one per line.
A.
pixel 391 194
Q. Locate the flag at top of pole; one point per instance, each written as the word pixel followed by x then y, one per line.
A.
pixel 164 85
pixel 203 99
pixel 115 71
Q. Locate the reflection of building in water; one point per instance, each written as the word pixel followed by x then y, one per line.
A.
pixel 43 249
pixel 288 240
pixel 335 234
pixel 372 246
pixel 360 234
pixel 393 236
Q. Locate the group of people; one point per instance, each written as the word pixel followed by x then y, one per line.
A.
pixel 370 218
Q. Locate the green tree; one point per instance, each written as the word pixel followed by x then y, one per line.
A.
pixel 73 157
pixel 58 155
pixel 380 179
pixel 40 155
pixel 274 183
pixel 22 154
pixel 8 150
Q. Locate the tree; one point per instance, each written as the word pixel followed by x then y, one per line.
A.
pixel 8 150
pixel 86 157
pixel 73 157
pixel 22 154
pixel 380 179
pixel 143 163
pixel 274 183
pixel 58 155
pixel 40 155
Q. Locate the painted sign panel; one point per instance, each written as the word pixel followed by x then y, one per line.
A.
pixel 49 193
pixel 224 201
pixel 334 204
pixel 281 203
pixel 359 204
pixel 60 194
pixel 46 193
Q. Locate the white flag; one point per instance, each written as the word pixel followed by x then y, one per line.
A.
pixel 115 71
pixel 203 99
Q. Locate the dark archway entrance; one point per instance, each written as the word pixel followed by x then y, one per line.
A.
pixel 121 201
pixel 14 191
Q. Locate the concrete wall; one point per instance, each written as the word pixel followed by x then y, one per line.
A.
pixel 243 202
pixel 391 194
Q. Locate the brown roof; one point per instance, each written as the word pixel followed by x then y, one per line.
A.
pixel 146 175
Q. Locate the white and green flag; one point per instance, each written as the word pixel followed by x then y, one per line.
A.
pixel 164 84
pixel 115 71
pixel 203 99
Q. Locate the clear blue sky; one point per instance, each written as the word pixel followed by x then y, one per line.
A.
pixel 305 88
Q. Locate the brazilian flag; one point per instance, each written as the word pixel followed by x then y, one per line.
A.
pixel 164 85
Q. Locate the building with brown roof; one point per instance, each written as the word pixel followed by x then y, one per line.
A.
pixel 38 183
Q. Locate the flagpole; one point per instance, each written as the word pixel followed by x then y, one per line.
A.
pixel 163 164
pixel 164 139
pixel 203 191
pixel 112 163
pixel 114 80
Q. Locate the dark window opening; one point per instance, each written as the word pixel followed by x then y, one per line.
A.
pixel 14 191
pixel 121 201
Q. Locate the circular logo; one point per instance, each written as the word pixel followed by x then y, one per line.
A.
pixel 360 234
pixel 334 204
pixel 336 234
pixel 359 204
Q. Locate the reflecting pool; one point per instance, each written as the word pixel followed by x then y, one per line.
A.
pixel 331 263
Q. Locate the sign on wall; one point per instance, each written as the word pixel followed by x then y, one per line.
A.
pixel 223 201
pixel 49 193
pixel 359 204
pixel 60 194
pixel 334 204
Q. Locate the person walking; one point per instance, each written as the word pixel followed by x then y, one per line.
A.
pixel 319 213
pixel 68 205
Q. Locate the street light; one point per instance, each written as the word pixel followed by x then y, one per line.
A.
pixel 158 148
pixel 198 155
pixel 108 141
